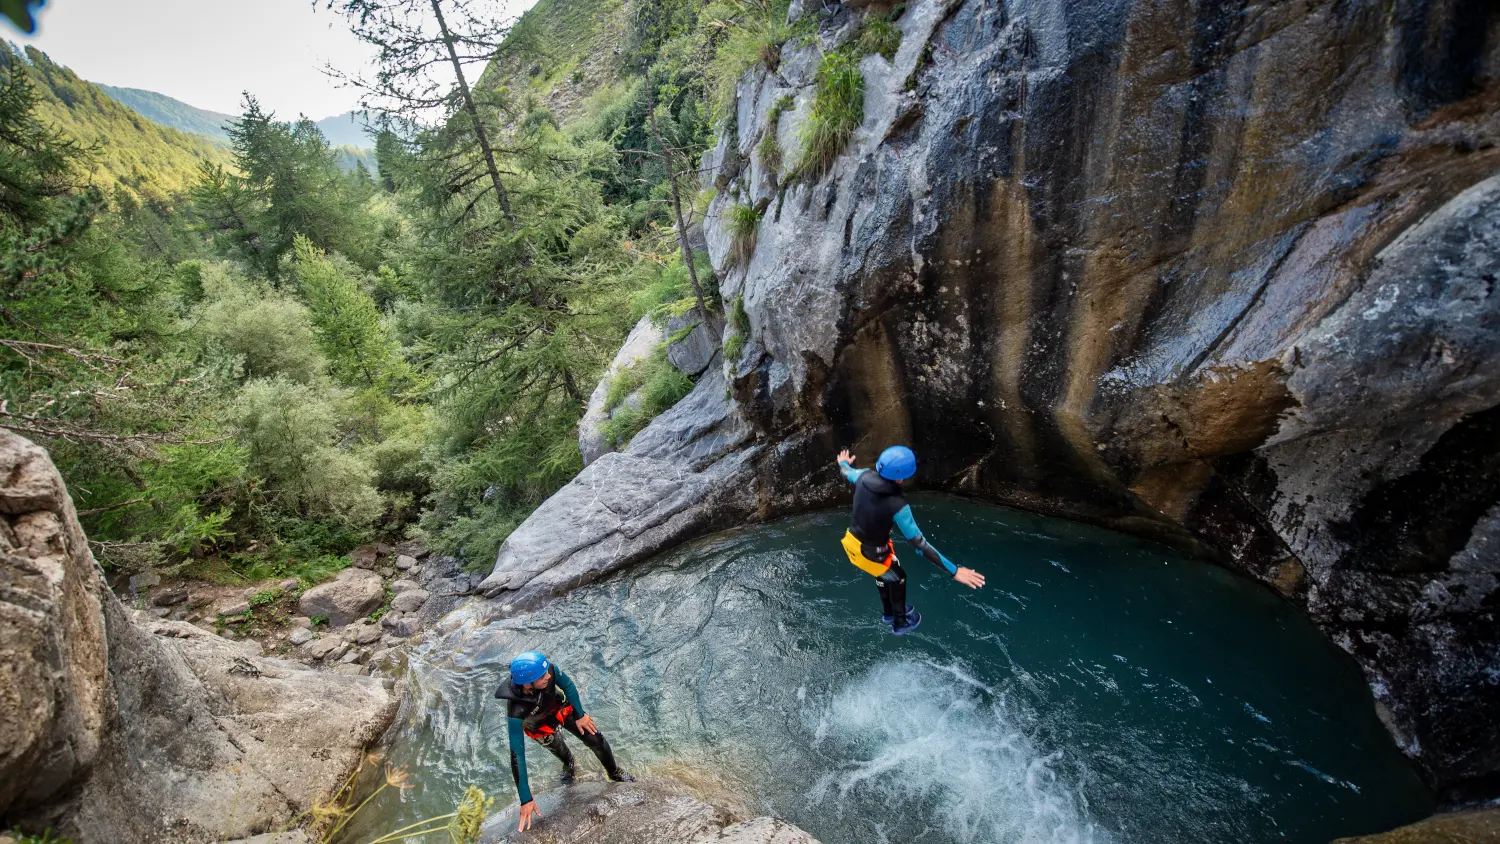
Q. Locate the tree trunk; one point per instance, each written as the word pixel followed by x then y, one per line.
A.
pixel 682 240
pixel 484 139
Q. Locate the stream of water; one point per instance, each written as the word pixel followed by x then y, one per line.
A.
pixel 1099 689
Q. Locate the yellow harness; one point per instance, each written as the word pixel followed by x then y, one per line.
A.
pixel 863 563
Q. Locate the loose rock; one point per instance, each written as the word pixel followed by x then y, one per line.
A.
pixel 364 557
pixel 363 633
pixel 171 596
pixel 410 601
pixel 404 562
pixel 322 648
pixel 238 609
pixel 300 636
pixel 354 594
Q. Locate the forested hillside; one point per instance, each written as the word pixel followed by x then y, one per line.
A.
pixel 286 360
pixel 172 113
pixel 152 162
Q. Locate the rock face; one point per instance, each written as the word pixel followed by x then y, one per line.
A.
pixel 159 731
pixel 638 346
pixel 1472 827
pixel 1222 275
pixel 354 594
pixel 657 812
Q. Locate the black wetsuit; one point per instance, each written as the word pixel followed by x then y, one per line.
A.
pixel 539 714
pixel 880 506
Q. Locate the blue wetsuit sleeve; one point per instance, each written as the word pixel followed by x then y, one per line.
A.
pixel 518 755
pixel 907 524
pixel 571 692
pixel 851 474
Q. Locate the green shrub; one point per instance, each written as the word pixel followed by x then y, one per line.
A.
pixel 289 429
pixel 270 335
pixel 743 224
pixel 265 596
pixel 837 110
pixel 877 35
pixel 661 385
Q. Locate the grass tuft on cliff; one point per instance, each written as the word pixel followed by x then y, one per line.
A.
pixel 837 110
pixel 770 145
pixel 743 224
pixel 660 386
pixel 878 35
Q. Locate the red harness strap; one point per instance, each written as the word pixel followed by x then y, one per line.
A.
pixel 544 730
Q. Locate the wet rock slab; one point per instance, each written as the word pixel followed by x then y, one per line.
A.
pixel 632 813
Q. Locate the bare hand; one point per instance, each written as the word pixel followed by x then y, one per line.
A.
pixel 846 457
pixel 586 723
pixel 969 577
pixel 529 813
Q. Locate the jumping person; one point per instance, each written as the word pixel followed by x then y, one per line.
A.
pixel 540 699
pixel 878 507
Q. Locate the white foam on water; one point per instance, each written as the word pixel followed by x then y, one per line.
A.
pixel 931 741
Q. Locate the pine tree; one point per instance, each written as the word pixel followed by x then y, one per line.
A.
pixel 359 350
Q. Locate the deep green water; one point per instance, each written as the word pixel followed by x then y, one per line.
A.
pixel 1099 689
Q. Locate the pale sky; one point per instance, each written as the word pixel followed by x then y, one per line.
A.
pixel 205 52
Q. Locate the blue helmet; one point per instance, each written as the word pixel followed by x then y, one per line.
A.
pixel 896 463
pixel 529 667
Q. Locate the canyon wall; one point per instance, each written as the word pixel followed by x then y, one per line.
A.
pixel 1221 274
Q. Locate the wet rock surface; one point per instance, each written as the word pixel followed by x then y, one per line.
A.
pixel 134 729
pixel 1222 276
pixel 655 811
pixel 1474 827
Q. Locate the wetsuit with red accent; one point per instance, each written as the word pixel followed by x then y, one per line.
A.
pixel 539 715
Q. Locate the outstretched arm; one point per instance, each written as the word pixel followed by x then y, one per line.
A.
pixel 517 737
pixel 846 465
pixel 907 524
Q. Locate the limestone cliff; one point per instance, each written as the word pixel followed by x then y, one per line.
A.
pixel 1221 274
pixel 112 731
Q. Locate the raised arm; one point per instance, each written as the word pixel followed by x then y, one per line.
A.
pixel 846 466
pixel 907 524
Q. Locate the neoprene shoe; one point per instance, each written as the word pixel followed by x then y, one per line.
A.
pixel 913 618
pixel 891 619
pixel 622 776
pixel 568 777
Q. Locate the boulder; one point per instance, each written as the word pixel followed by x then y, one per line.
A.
pixel 405 562
pixel 116 731
pixel 355 593
pixel 241 608
pixel 300 636
pixel 409 601
pixel 412 548
pixel 55 695
pixel 363 632
pixel 323 647
pixel 171 596
pixel 364 557
pixel 404 585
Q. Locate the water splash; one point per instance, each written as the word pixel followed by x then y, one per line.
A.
pixel 922 734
